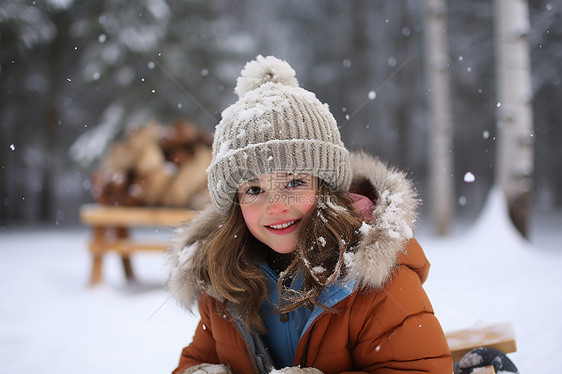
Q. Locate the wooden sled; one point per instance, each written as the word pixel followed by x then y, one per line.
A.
pixel 498 336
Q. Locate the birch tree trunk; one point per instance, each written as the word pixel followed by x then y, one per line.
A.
pixel 440 134
pixel 514 163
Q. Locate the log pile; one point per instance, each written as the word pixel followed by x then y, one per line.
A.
pixel 157 165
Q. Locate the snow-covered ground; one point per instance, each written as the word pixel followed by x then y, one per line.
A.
pixel 52 322
pixel 490 274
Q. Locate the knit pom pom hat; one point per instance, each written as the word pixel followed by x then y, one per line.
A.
pixel 275 126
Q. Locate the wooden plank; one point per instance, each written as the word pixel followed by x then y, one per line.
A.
pixel 499 336
pixel 484 370
pixel 126 247
pixel 95 278
pixel 98 215
pixel 127 267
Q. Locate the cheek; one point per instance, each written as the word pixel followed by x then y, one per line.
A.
pixel 310 202
pixel 251 216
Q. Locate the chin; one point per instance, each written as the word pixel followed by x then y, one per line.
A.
pixel 283 250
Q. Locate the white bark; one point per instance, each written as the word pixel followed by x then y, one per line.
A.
pixel 441 130
pixel 514 163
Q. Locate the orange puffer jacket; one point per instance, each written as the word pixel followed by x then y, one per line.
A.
pixel 386 323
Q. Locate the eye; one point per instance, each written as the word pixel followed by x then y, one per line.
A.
pixel 253 190
pixel 295 183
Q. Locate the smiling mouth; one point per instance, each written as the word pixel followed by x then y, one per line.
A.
pixel 282 226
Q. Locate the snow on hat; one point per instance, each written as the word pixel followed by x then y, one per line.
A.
pixel 274 126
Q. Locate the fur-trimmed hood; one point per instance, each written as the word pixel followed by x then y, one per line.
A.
pixel 376 256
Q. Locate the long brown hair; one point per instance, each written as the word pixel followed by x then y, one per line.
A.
pixel 231 258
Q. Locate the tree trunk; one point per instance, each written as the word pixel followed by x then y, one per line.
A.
pixel 441 131
pixel 4 216
pixel 514 164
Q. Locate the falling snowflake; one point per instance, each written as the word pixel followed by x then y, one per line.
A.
pixel 469 177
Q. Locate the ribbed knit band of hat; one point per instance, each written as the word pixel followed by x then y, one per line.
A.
pixel 275 126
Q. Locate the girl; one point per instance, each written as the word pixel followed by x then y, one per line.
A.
pixel 306 261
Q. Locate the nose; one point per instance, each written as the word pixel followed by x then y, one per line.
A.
pixel 277 204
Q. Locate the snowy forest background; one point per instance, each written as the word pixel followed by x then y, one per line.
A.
pixel 76 75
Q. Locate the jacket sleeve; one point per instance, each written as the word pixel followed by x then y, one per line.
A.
pixel 202 348
pixel 400 333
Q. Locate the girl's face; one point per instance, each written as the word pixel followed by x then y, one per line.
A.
pixel 273 206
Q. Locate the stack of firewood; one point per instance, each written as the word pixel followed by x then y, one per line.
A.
pixel 157 165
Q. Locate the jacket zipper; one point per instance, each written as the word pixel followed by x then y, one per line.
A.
pixel 248 352
pixel 308 333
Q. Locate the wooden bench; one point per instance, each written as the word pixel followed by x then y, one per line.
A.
pixel 111 231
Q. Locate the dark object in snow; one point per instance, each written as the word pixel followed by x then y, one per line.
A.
pixel 483 357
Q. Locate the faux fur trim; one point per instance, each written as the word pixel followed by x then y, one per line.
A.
pixel 392 226
pixel 183 282
pixel 372 262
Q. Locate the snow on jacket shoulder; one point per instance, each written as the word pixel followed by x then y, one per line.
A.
pixel 386 325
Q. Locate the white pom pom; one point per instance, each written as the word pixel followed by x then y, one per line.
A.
pixel 263 70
